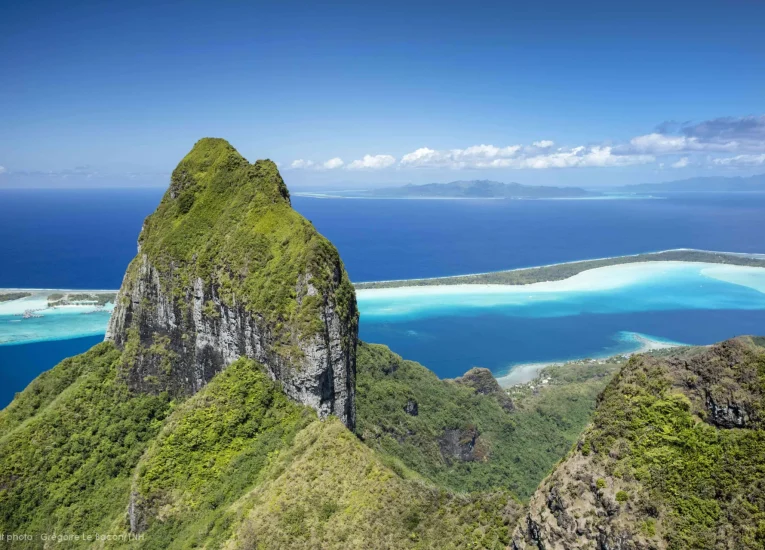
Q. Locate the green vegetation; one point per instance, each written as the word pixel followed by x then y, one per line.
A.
pixel 559 272
pixel 704 484
pixel 210 452
pixel 329 491
pixel 237 463
pixel 239 460
pixel 8 296
pixel 69 444
pixel 230 223
pixel 504 449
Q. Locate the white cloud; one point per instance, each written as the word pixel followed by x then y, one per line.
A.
pixel 543 144
pixel 372 162
pixel 301 164
pixel 684 144
pixel 484 156
pixel 514 156
pixel 331 164
pixel 2 169
pixel 420 157
pixel 659 143
pixel 740 160
pixel 664 144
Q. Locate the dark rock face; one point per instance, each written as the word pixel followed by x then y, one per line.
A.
pixel 723 394
pixel 459 444
pixel 727 415
pixel 411 408
pixel 481 380
pixel 183 343
pixel 390 368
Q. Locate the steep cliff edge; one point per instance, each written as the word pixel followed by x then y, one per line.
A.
pixel 675 458
pixel 226 268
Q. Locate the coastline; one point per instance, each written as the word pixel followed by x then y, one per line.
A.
pixel 526 372
pixel 38 303
pixel 423 281
pixel 596 279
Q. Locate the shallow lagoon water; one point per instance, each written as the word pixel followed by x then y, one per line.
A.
pixel 450 328
pixel 59 323
pixel 647 286
pixel 394 239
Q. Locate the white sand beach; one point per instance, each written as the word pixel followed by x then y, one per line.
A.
pixel 520 374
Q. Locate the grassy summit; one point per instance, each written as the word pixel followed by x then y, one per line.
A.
pixel 230 223
pixel 226 268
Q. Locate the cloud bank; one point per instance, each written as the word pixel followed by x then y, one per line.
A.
pixel 720 142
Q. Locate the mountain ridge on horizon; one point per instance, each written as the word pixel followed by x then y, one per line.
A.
pixel 482 188
pixel 702 184
pixel 487 188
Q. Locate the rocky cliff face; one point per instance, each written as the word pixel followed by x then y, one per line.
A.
pixel 673 459
pixel 225 268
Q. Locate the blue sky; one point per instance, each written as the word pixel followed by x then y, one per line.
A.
pixel 361 93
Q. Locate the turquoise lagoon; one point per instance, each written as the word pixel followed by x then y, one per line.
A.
pixel 646 286
pixel 450 328
pixel 45 324
pixel 597 313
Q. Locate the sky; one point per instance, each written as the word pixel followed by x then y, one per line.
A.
pixel 350 94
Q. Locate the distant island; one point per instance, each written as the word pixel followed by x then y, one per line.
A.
pixel 475 189
pixel 558 272
pixel 717 184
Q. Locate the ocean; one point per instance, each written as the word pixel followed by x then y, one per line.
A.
pixel 84 239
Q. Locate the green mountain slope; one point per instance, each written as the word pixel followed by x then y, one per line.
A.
pixel 467 434
pixel 69 445
pixel 237 463
pixel 675 458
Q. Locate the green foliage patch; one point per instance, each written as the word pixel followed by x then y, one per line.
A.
pixel 69 445
pixel 211 451
pixel 705 482
pixel 330 491
pixel 8 296
pixel 514 450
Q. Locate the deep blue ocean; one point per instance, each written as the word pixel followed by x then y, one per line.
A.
pixel 85 239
